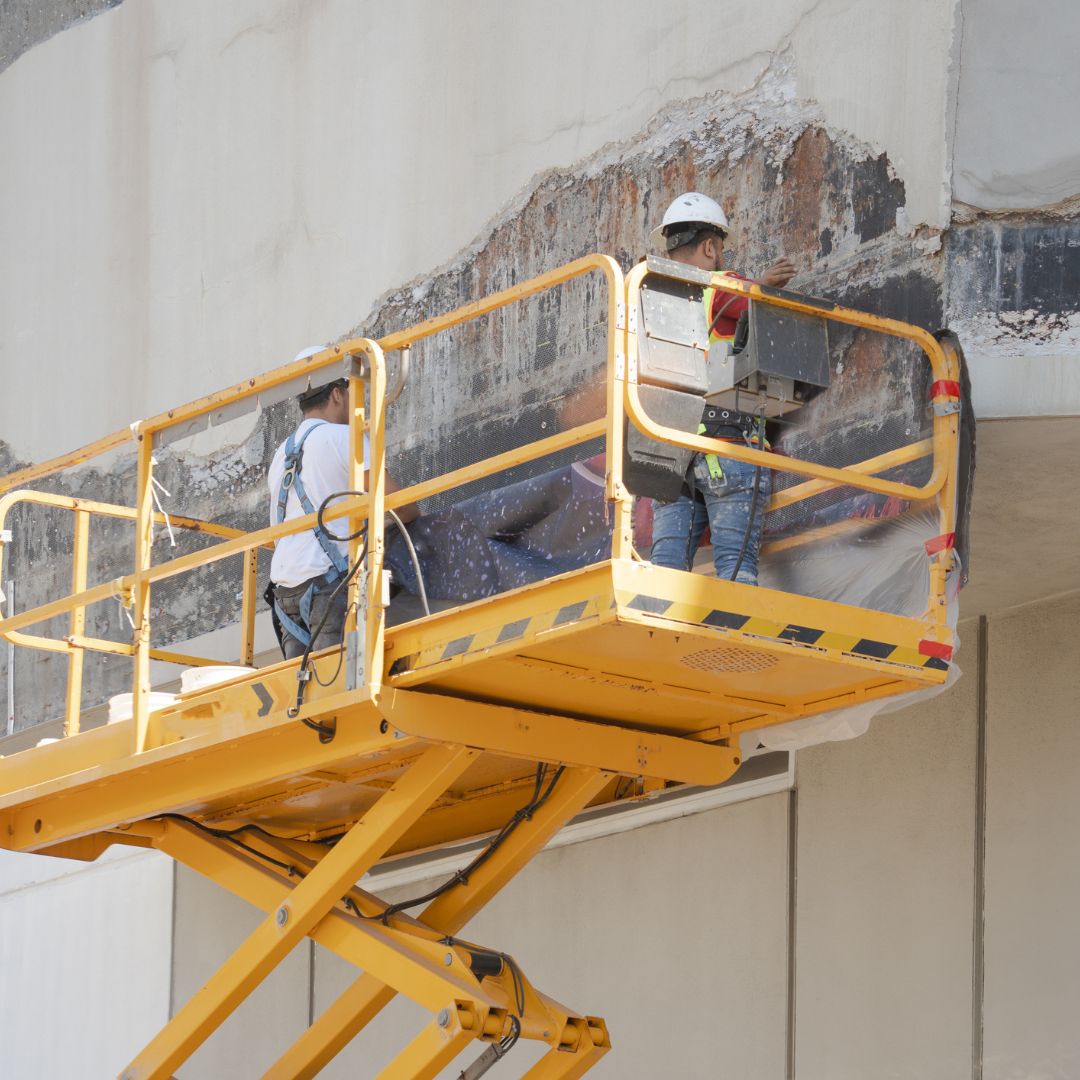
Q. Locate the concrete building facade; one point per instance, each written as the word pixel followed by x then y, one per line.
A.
pixel 191 193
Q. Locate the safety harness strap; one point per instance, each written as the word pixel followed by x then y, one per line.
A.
pixel 302 630
pixel 294 456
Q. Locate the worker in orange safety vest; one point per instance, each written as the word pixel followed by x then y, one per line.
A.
pixel 727 496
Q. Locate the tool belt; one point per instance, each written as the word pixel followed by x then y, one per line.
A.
pixel 717 423
pixel 728 425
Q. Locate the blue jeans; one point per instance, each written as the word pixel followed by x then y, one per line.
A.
pixel 678 526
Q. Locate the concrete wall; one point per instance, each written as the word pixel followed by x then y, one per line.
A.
pixel 195 243
pixel 209 925
pixel 651 930
pixel 1016 145
pixel 1032 829
pixel 886 842
pixel 84 961
pixel 1014 250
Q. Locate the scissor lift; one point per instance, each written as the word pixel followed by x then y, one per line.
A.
pixel 505 717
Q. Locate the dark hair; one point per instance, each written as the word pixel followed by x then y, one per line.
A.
pixel 319 395
pixel 688 233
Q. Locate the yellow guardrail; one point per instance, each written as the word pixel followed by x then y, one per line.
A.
pixel 861 476
pixel 365 362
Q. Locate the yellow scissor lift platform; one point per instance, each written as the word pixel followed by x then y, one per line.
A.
pixel 504 717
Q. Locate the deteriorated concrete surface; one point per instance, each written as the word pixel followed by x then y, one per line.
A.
pixel 26 23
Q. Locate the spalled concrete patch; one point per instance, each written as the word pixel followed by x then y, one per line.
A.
pixel 26 23
pixel 790 185
pixel 1014 284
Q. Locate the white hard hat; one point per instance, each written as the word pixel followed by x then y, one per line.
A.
pixel 318 387
pixel 691 208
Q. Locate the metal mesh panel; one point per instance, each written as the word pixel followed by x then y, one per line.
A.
pixel 38 569
pixel 488 387
pixel 877 403
pixel 496 383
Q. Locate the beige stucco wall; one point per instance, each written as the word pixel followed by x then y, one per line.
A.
pixel 1032 841
pixel 209 924
pixel 84 962
pixel 650 929
pixel 1017 145
pixel 886 842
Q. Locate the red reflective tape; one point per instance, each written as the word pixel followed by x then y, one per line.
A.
pixel 944 542
pixel 945 388
pixel 937 649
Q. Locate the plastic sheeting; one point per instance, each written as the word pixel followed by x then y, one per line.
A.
pixel 508 537
pixel 880 564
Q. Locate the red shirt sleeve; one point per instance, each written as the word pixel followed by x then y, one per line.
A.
pixel 731 306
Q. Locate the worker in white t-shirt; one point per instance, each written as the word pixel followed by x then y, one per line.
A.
pixel 308 567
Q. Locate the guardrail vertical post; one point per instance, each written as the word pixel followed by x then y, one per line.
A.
pixel 144 523
pixel 376 531
pixel 10 727
pixel 947 446
pixel 247 609
pixel 77 623
pixel 622 536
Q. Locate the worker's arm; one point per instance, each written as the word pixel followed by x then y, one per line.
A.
pixel 779 274
pixel 408 512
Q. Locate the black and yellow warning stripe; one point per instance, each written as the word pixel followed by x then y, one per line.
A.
pixel 849 644
pixel 507 633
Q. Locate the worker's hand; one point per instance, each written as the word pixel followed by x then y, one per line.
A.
pixel 779 274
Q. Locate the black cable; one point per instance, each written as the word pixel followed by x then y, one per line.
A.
pixel 720 314
pixel 230 836
pixel 462 876
pixel 495 1052
pixel 753 498
pixel 341 654
pixel 505 961
pixel 326 529
pixel 325 732
pixel 518 981
pixel 506 1044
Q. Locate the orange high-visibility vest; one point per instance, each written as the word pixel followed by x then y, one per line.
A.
pixel 707 295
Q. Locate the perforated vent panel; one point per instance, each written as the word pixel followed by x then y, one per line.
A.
pixel 729 659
